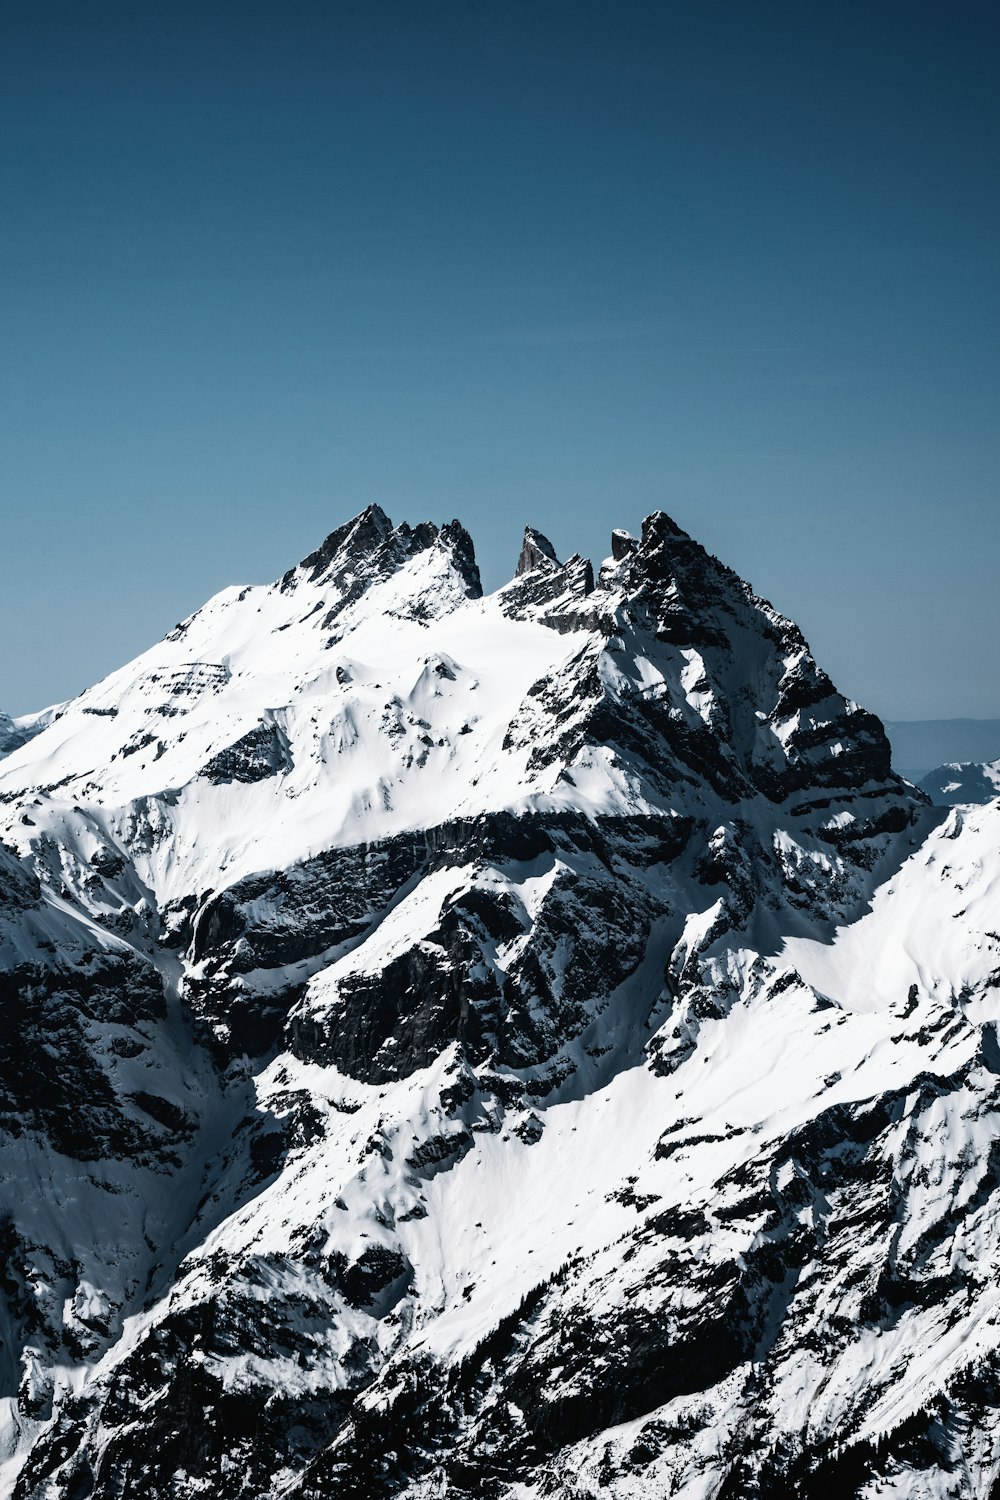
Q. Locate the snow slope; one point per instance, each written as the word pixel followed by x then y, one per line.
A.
pixel 517 1046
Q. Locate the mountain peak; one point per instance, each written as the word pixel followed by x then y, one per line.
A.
pixel 358 537
pixel 358 909
pixel 659 526
pixel 459 543
pixel 537 554
pixel 623 543
pixel 370 547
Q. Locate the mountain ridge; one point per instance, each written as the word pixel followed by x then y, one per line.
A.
pixel 961 782
pixel 518 1037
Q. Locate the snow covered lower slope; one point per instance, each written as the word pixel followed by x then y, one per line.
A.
pixel 960 782
pixel 515 1046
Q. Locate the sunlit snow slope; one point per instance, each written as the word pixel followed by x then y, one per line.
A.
pixel 517 1046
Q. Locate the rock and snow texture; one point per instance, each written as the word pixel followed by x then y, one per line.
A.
pixel 15 732
pixel 512 1046
pixel 962 782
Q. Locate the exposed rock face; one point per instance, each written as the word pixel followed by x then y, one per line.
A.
pixel 369 550
pixel 256 755
pixel 542 584
pixel 537 554
pixel 495 1047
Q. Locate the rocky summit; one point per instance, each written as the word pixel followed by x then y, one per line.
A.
pixel 515 1046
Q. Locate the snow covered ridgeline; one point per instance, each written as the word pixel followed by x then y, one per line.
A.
pixel 507 1046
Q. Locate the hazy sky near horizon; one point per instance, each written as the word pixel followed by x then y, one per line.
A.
pixel 261 264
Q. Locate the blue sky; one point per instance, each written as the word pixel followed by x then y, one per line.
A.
pixel 551 263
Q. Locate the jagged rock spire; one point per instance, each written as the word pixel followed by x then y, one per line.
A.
pixel 362 534
pixel 537 554
pixel 369 545
pixel 622 543
pixel 454 536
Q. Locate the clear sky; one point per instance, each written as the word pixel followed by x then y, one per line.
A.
pixel 261 264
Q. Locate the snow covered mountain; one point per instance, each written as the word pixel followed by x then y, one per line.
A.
pixel 512 1046
pixel 15 732
pixel 962 781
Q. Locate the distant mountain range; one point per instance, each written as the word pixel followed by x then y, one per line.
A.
pixel 961 782
pixel 920 745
